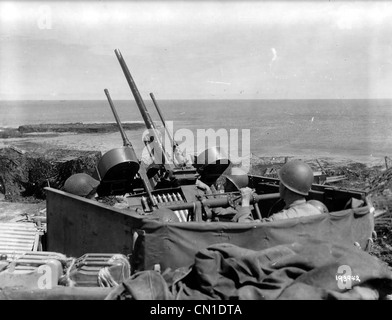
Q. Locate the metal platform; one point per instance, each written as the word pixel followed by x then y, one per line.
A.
pixel 17 238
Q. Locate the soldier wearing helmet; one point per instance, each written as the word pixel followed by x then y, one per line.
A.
pixel 236 180
pixel 81 184
pixel 296 179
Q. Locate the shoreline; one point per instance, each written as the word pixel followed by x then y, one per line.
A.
pixel 41 141
pixel 358 172
pixel 104 136
pixel 26 131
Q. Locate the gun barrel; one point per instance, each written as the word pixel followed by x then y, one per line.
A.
pixel 147 186
pixel 127 143
pixel 162 119
pixel 124 137
pixel 221 202
pixel 142 107
pixel 132 85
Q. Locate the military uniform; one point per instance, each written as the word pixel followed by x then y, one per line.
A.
pixel 299 208
pixel 237 214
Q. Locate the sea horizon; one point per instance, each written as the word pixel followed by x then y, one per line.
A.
pixel 202 99
pixel 352 128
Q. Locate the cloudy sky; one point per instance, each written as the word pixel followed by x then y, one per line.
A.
pixel 196 49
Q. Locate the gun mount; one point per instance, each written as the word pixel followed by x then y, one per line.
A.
pixel 161 184
pixel 161 173
pixel 77 225
pixel 168 220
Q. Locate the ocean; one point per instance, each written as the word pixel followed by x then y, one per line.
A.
pixel 353 129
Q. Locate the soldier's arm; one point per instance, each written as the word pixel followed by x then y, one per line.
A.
pixel 244 213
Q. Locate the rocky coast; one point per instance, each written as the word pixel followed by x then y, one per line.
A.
pixel 53 129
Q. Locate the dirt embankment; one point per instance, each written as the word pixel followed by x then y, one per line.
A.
pixel 25 174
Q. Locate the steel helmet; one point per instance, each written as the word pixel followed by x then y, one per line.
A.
pixel 210 164
pixel 319 205
pixel 81 184
pixel 236 180
pixel 296 176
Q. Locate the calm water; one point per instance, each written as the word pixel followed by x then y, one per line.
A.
pixel 346 128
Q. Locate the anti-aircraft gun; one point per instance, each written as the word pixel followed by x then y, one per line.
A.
pixel 160 169
pixel 165 184
pixel 77 225
pixel 161 183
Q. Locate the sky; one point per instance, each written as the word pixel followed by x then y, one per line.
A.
pixel 196 49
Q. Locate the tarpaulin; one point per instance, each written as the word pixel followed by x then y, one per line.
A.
pixel 300 270
pixel 174 245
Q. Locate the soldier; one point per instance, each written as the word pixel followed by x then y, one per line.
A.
pixel 83 185
pixel 296 179
pixel 237 180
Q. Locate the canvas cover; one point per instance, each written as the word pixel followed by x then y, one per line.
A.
pixel 76 226
pixel 304 270
pixel 175 245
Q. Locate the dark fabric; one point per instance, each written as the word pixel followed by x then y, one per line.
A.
pixel 145 285
pixel 300 208
pixel 293 271
pixel 174 245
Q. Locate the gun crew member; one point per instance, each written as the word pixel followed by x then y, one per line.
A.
pixel 236 181
pixel 296 178
pixel 81 184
